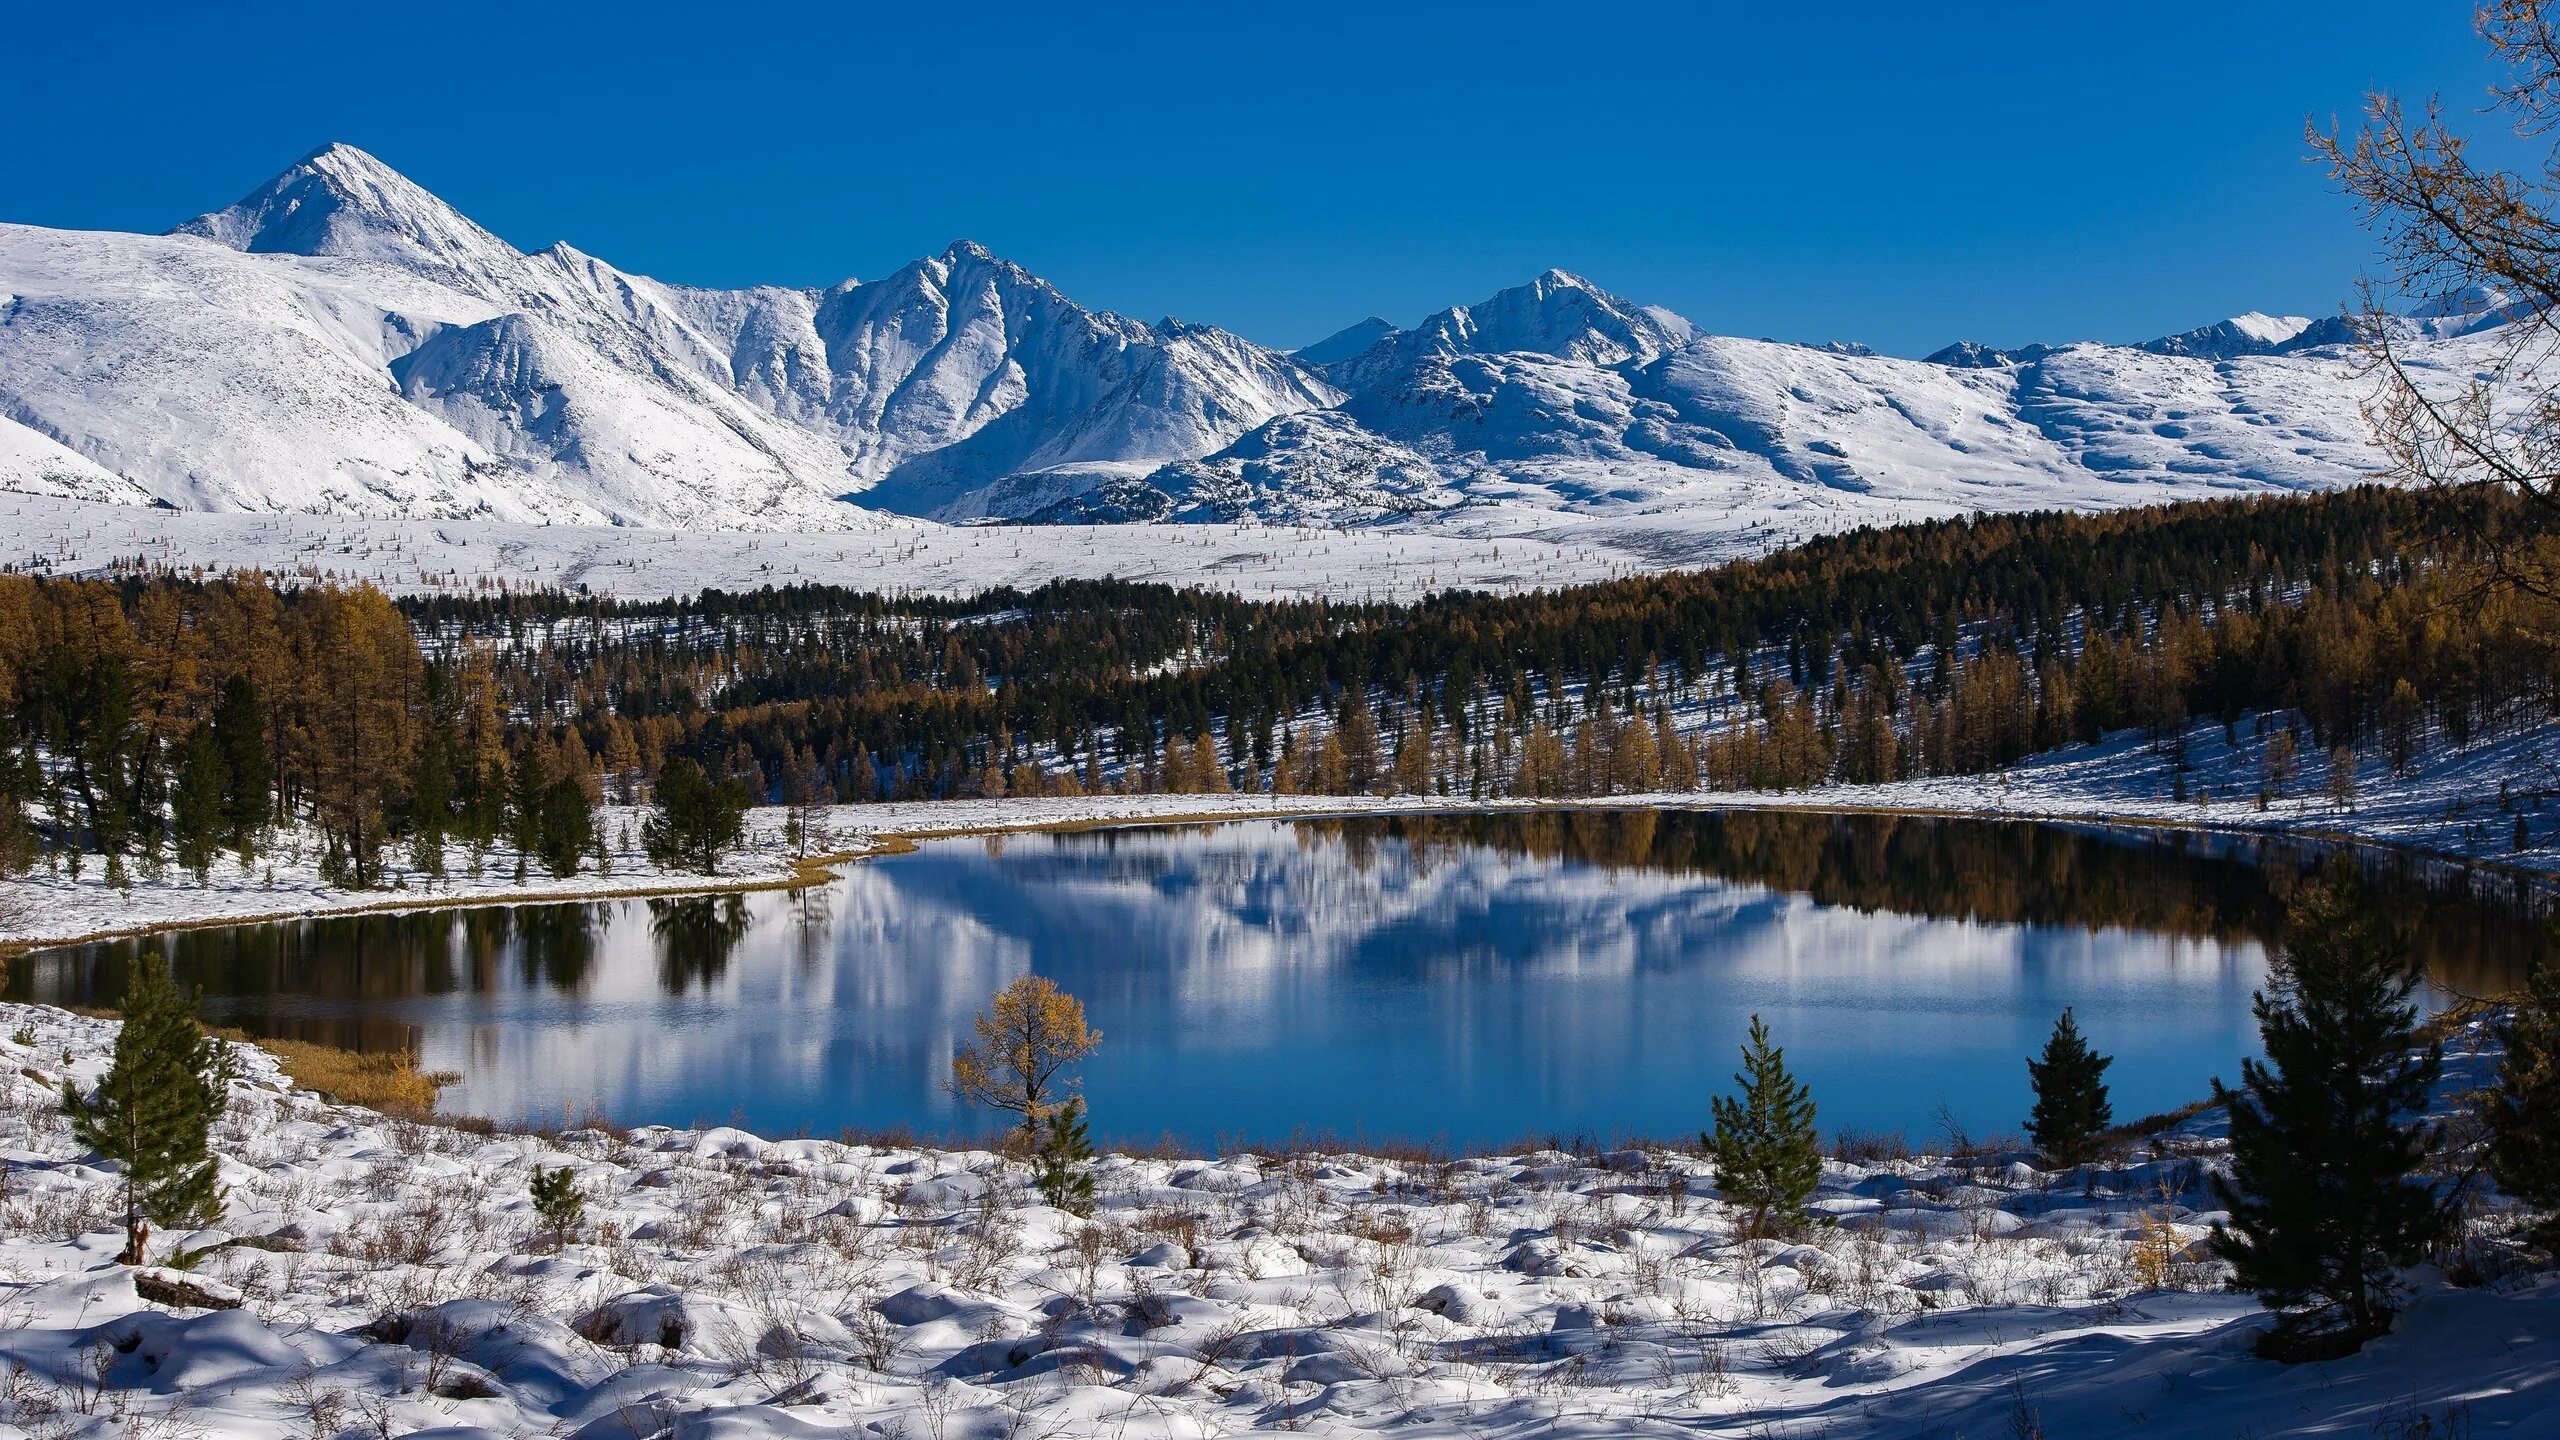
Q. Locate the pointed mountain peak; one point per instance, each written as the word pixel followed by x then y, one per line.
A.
pixel 1558 313
pixel 2250 334
pixel 340 201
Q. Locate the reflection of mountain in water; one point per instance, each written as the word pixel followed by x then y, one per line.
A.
pixel 1415 974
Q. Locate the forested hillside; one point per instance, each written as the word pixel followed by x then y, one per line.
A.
pixel 168 717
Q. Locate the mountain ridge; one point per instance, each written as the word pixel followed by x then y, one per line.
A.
pixel 340 340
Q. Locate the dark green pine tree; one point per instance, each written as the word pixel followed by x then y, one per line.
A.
pixel 568 827
pixel 1764 1149
pixel 697 819
pixel 2071 1110
pixel 196 818
pixel 153 1113
pixel 526 783
pixel 240 731
pixel 431 787
pixel 2325 1199
pixel 2524 1109
pixel 1061 1167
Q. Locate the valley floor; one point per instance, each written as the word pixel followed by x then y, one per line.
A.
pixel 390 1279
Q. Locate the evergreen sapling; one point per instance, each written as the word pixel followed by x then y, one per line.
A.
pixel 2072 1110
pixel 1763 1145
pixel 1060 1166
pixel 2326 1199
pixel 153 1112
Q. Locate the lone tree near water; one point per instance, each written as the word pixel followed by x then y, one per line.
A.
pixel 2072 1110
pixel 2326 1201
pixel 153 1112
pixel 1767 1158
pixel 1028 1037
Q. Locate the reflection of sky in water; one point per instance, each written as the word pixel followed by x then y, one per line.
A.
pixel 1252 978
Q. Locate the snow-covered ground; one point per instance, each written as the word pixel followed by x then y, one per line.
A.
pixel 2453 804
pixel 51 536
pixel 391 1279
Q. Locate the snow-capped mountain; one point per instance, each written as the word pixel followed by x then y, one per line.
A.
pixel 1560 399
pixel 341 341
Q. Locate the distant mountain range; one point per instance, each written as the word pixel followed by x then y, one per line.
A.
pixel 341 341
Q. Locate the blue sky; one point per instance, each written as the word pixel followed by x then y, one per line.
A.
pixel 1899 174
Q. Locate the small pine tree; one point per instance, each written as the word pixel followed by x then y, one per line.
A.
pixel 1059 1165
pixel 558 1203
pixel 2325 1198
pixel 2524 1109
pixel 2070 1082
pixel 153 1113
pixel 1763 1145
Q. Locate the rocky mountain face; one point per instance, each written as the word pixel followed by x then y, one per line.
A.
pixel 341 341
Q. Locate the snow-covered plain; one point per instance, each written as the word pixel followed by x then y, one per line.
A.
pixel 390 1279
pixel 66 537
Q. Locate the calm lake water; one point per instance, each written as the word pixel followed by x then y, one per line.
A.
pixel 1471 981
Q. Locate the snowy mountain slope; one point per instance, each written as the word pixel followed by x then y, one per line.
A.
pixel 37 464
pixel 1557 402
pixel 217 382
pixel 342 342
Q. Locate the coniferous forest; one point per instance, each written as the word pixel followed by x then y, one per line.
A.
pixel 172 718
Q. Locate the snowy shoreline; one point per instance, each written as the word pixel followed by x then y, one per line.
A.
pixel 389 1278
pixel 2440 812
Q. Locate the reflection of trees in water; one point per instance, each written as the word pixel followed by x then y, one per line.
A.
pixel 2169 882
pixel 695 935
pixel 813 918
pixel 556 944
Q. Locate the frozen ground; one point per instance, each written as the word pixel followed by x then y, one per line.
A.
pixel 390 1280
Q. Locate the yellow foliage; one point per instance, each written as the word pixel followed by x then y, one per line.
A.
pixel 1028 1035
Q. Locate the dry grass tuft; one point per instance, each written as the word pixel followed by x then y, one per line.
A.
pixel 389 1081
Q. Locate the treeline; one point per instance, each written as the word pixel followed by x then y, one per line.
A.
pixel 1938 648
pixel 173 719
